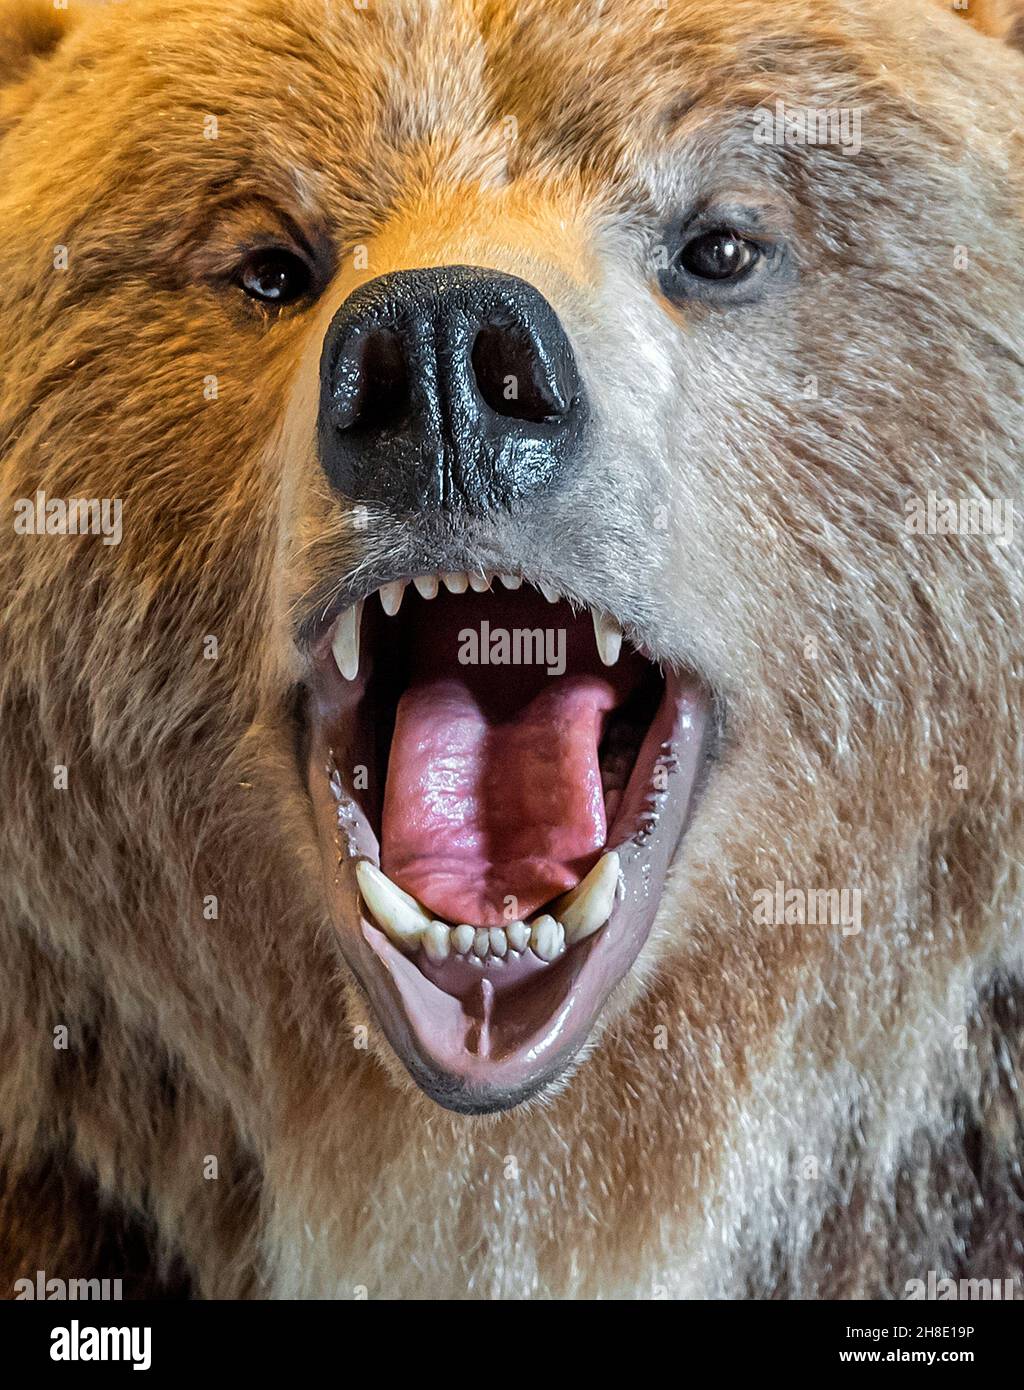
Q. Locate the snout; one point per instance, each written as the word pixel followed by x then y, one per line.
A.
pixel 451 388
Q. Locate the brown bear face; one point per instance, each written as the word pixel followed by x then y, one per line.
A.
pixel 549 305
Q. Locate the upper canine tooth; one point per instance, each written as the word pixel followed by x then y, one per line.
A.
pixel 552 595
pixel 546 937
pixel 426 585
pixel 398 912
pixel 510 581
pixel 589 905
pixel 609 637
pixel 391 596
pixel 437 941
pixel 479 583
pixel 518 934
pixel 345 643
pixel 456 583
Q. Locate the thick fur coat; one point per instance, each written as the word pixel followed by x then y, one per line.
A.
pixel 764 1110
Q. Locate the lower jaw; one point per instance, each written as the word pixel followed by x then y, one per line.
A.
pixel 493 1049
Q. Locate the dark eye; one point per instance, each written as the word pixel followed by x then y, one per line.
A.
pixel 719 255
pixel 275 277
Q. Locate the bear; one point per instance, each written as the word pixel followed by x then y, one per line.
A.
pixel 511 647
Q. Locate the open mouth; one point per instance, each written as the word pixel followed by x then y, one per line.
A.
pixel 500 783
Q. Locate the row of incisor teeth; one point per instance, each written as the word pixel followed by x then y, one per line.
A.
pixel 407 923
pixel 345 641
pixel 479 944
pixel 429 585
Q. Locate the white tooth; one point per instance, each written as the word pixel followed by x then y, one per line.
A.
pixel 391 596
pixel 552 595
pixel 479 583
pixel 396 911
pixel 510 581
pixel 481 942
pixel 499 942
pixel 463 937
pixel 345 644
pixel 609 637
pixel 518 934
pixel 455 583
pixel 437 941
pixel 589 905
pixel 426 585
pixel 546 937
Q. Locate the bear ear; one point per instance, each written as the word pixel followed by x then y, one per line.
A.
pixel 1000 19
pixel 30 30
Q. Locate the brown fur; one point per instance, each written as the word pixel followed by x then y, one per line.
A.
pixel 675 1159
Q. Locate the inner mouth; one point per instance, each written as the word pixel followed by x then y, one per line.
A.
pixel 500 783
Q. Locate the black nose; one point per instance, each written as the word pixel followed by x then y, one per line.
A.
pixel 453 387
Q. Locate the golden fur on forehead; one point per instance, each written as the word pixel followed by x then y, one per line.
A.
pixel 766 1111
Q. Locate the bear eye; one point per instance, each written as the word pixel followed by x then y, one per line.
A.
pixel 719 255
pixel 275 276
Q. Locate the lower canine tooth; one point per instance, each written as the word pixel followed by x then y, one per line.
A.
pixel 546 937
pixel 589 905
pixel 518 934
pixel 391 596
pixel 609 637
pixel 426 585
pixel 400 915
pixel 345 644
pixel 437 941
pixel 463 937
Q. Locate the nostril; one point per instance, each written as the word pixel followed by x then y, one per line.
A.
pixel 512 379
pixel 372 385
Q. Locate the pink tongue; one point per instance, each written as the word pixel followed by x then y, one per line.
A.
pixel 479 812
